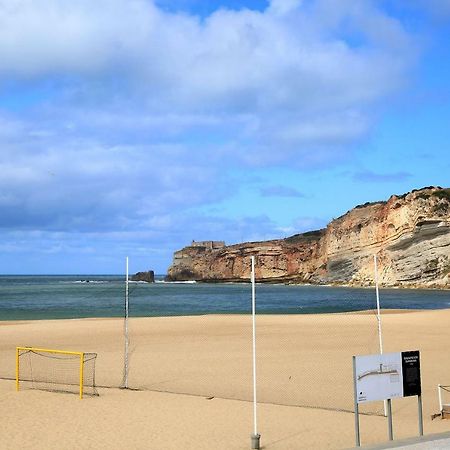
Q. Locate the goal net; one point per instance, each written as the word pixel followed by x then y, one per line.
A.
pixel 444 400
pixel 55 370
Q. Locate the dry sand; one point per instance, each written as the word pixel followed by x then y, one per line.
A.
pixel 193 379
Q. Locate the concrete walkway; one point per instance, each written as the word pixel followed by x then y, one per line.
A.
pixel 439 441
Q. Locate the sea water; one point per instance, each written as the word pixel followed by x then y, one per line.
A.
pixel 75 296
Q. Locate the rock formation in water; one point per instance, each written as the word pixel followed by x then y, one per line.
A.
pixel 148 277
pixel 410 234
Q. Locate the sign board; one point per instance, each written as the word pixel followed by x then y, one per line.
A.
pixel 387 376
pixel 411 373
pixel 384 377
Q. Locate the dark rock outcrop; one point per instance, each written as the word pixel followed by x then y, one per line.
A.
pixel 148 276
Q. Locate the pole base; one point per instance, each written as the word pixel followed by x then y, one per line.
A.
pixel 255 441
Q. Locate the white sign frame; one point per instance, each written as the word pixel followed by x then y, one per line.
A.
pixel 379 377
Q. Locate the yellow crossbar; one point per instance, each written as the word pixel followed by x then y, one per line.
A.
pixel 48 350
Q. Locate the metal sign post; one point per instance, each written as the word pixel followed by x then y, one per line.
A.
pixel 389 415
pixel 419 405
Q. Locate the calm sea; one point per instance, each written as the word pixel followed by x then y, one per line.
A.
pixel 74 296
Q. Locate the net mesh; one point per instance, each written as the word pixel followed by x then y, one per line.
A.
pixel 302 361
pixel 59 372
pixel 445 395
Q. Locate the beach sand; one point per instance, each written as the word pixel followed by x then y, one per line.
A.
pixel 192 381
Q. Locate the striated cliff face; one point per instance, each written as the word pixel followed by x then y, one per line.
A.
pixel 410 234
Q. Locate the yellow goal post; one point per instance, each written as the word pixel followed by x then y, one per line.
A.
pixel 56 370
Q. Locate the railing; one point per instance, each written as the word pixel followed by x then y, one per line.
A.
pixel 441 403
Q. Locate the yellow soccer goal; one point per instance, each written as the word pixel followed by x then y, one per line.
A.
pixel 55 370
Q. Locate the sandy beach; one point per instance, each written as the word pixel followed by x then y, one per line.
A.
pixel 191 381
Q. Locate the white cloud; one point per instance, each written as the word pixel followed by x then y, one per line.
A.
pixel 281 7
pixel 145 112
pixel 287 78
pixel 76 37
pixel 84 185
pixel 233 61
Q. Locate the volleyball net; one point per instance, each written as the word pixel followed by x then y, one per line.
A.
pixel 303 360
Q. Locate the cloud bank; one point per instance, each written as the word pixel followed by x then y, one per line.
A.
pixel 118 115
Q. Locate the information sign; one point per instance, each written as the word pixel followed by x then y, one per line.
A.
pixel 379 377
pixel 411 373
pixel 385 377
pixel 388 375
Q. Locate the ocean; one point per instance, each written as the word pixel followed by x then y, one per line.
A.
pixel 76 296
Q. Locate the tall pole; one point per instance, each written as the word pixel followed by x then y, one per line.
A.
pixel 378 305
pixel 125 381
pixel 355 397
pixel 255 436
pixel 380 339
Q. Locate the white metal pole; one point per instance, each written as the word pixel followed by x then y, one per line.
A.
pixel 126 327
pixel 355 398
pixel 380 339
pixel 378 305
pixel 440 398
pixel 256 436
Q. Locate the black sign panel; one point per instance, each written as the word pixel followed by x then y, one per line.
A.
pixel 411 373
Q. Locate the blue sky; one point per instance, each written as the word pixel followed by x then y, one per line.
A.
pixel 131 127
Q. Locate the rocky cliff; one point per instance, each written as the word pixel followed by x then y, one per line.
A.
pixel 410 234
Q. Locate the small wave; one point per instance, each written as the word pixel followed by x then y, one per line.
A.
pixel 88 281
pixel 176 282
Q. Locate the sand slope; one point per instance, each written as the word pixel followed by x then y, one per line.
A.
pixel 303 360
